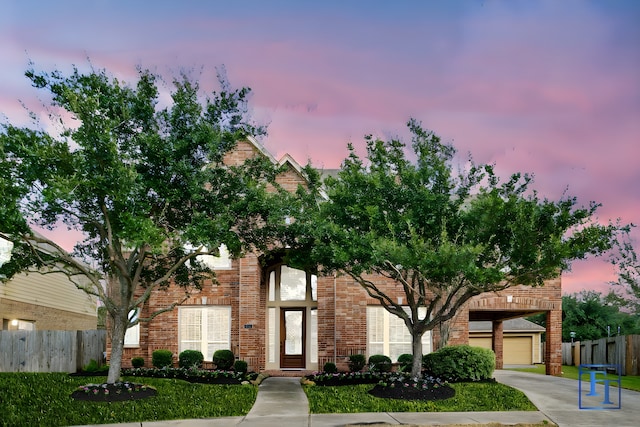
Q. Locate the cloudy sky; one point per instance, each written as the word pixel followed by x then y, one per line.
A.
pixel 547 87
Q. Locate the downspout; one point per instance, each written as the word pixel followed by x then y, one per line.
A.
pixel 335 341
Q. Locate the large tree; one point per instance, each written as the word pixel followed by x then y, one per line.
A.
pixel 625 291
pixel 443 236
pixel 145 184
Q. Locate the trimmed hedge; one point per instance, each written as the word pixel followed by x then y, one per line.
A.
pixel 240 366
pixel 162 358
pixel 379 363
pixel 223 359
pixel 458 363
pixel 137 362
pixel 357 362
pixel 330 368
pixel 190 359
pixel 406 362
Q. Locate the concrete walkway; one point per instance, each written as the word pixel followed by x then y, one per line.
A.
pixel 281 402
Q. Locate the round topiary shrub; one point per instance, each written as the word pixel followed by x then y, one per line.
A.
pixel 406 362
pixel 190 359
pixel 240 366
pixel 223 359
pixel 162 358
pixel 330 368
pixel 357 362
pixel 379 363
pixel 137 362
pixel 458 363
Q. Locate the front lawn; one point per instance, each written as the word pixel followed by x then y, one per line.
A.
pixel 469 397
pixel 39 399
pixel 571 372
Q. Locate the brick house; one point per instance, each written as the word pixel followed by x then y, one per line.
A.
pixel 277 318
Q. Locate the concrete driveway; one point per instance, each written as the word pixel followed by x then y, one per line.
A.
pixel 557 398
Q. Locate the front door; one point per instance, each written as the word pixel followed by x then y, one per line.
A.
pixel 292 337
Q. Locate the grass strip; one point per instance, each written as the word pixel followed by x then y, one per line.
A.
pixel 469 397
pixel 44 399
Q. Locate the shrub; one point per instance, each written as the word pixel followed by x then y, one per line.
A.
pixel 94 366
pixel 459 363
pixel 190 359
pixel 357 362
pixel 240 366
pixel 223 359
pixel 162 358
pixel 137 362
pixel 379 363
pixel 406 362
pixel 330 368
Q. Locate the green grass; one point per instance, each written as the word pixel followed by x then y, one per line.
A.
pixel 469 397
pixel 627 381
pixel 40 399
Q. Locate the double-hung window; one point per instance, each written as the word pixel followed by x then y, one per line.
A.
pixel 205 329
pixel 387 334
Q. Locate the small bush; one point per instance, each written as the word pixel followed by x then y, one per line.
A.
pixel 406 362
pixel 459 363
pixel 190 359
pixel 94 366
pixel 240 366
pixel 379 363
pixel 162 358
pixel 330 368
pixel 223 359
pixel 357 362
pixel 137 362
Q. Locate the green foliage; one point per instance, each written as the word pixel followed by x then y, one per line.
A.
pixel 23 395
pixel 223 359
pixel 330 368
pixel 137 362
pixel 125 170
pixel 357 362
pixel 190 359
pixel 459 363
pixel 405 361
pixel 444 234
pixel 468 397
pixel 592 316
pixel 94 366
pixel 240 366
pixel 379 363
pixel 162 358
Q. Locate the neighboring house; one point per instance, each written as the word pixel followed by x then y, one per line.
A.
pixel 38 301
pixel 522 340
pixel 278 318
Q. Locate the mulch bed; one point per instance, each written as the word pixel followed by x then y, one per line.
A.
pixel 116 393
pixel 412 393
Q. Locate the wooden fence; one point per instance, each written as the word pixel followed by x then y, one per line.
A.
pixel 50 351
pixel 621 350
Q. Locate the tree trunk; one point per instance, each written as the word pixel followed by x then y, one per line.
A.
pixel 118 328
pixel 416 345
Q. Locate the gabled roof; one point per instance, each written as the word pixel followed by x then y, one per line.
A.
pixel 512 325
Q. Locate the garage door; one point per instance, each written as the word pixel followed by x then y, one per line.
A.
pixel 484 342
pixel 517 350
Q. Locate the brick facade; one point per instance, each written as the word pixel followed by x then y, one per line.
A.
pixel 48 318
pixel 341 308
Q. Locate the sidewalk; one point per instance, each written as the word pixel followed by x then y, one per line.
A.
pixel 281 402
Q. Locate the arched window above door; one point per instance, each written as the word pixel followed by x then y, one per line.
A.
pixel 290 284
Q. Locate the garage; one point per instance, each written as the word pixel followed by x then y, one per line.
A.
pixel 521 340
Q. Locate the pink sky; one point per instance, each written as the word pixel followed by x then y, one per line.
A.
pixel 547 87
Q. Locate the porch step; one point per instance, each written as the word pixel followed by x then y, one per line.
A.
pixel 287 372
